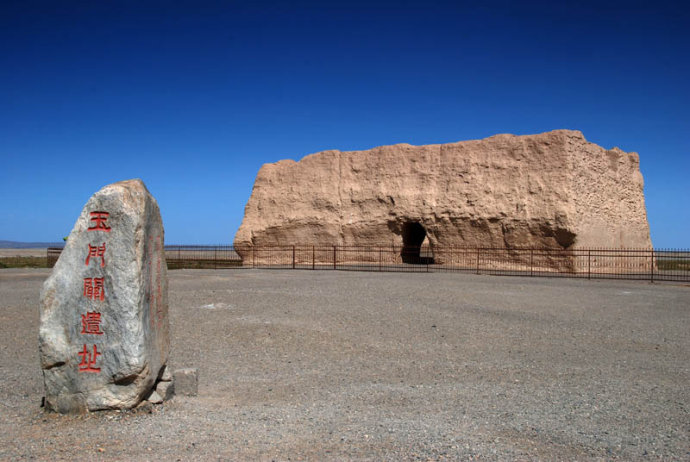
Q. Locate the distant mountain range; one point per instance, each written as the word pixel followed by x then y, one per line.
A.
pixel 29 245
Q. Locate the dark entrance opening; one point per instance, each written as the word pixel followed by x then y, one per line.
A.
pixel 413 235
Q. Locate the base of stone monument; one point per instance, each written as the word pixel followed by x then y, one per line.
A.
pixel 184 382
pixel 164 388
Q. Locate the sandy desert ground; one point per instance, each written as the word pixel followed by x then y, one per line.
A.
pixel 317 365
pixel 23 252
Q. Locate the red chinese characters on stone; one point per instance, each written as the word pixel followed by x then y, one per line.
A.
pixel 88 359
pixel 99 222
pixel 93 288
pixel 96 251
pixel 91 323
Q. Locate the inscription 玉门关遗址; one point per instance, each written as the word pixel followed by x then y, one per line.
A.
pixel 96 251
pixel 91 323
pixel 99 220
pixel 88 359
pixel 94 290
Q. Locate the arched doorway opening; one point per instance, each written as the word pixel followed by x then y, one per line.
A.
pixel 413 235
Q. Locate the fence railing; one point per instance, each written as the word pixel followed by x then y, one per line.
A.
pixel 53 255
pixel 601 263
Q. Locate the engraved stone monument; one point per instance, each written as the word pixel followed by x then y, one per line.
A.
pixel 104 331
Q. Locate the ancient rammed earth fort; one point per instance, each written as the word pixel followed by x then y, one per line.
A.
pixel 552 190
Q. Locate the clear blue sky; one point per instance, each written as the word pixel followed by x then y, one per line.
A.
pixel 194 96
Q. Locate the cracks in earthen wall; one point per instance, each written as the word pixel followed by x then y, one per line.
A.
pixel 573 175
pixel 431 230
pixel 557 179
pixel 340 198
pixel 606 209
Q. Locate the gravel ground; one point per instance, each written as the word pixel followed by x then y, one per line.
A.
pixel 381 366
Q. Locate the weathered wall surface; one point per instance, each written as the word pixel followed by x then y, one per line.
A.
pixel 554 189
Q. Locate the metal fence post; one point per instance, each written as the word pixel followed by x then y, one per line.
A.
pixel 253 258
pixel 477 260
pixel 380 259
pixel 293 257
pixel 651 268
pixel 589 264
pixel 313 257
pixel 334 257
pixel 531 261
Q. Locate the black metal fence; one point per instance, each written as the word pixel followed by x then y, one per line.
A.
pixel 640 264
pixel 53 255
pixel 202 256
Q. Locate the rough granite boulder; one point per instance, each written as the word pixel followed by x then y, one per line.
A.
pixel 552 190
pixel 104 332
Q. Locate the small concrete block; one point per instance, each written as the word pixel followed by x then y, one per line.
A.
pixel 166 390
pixel 166 376
pixel 186 381
pixel 155 398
